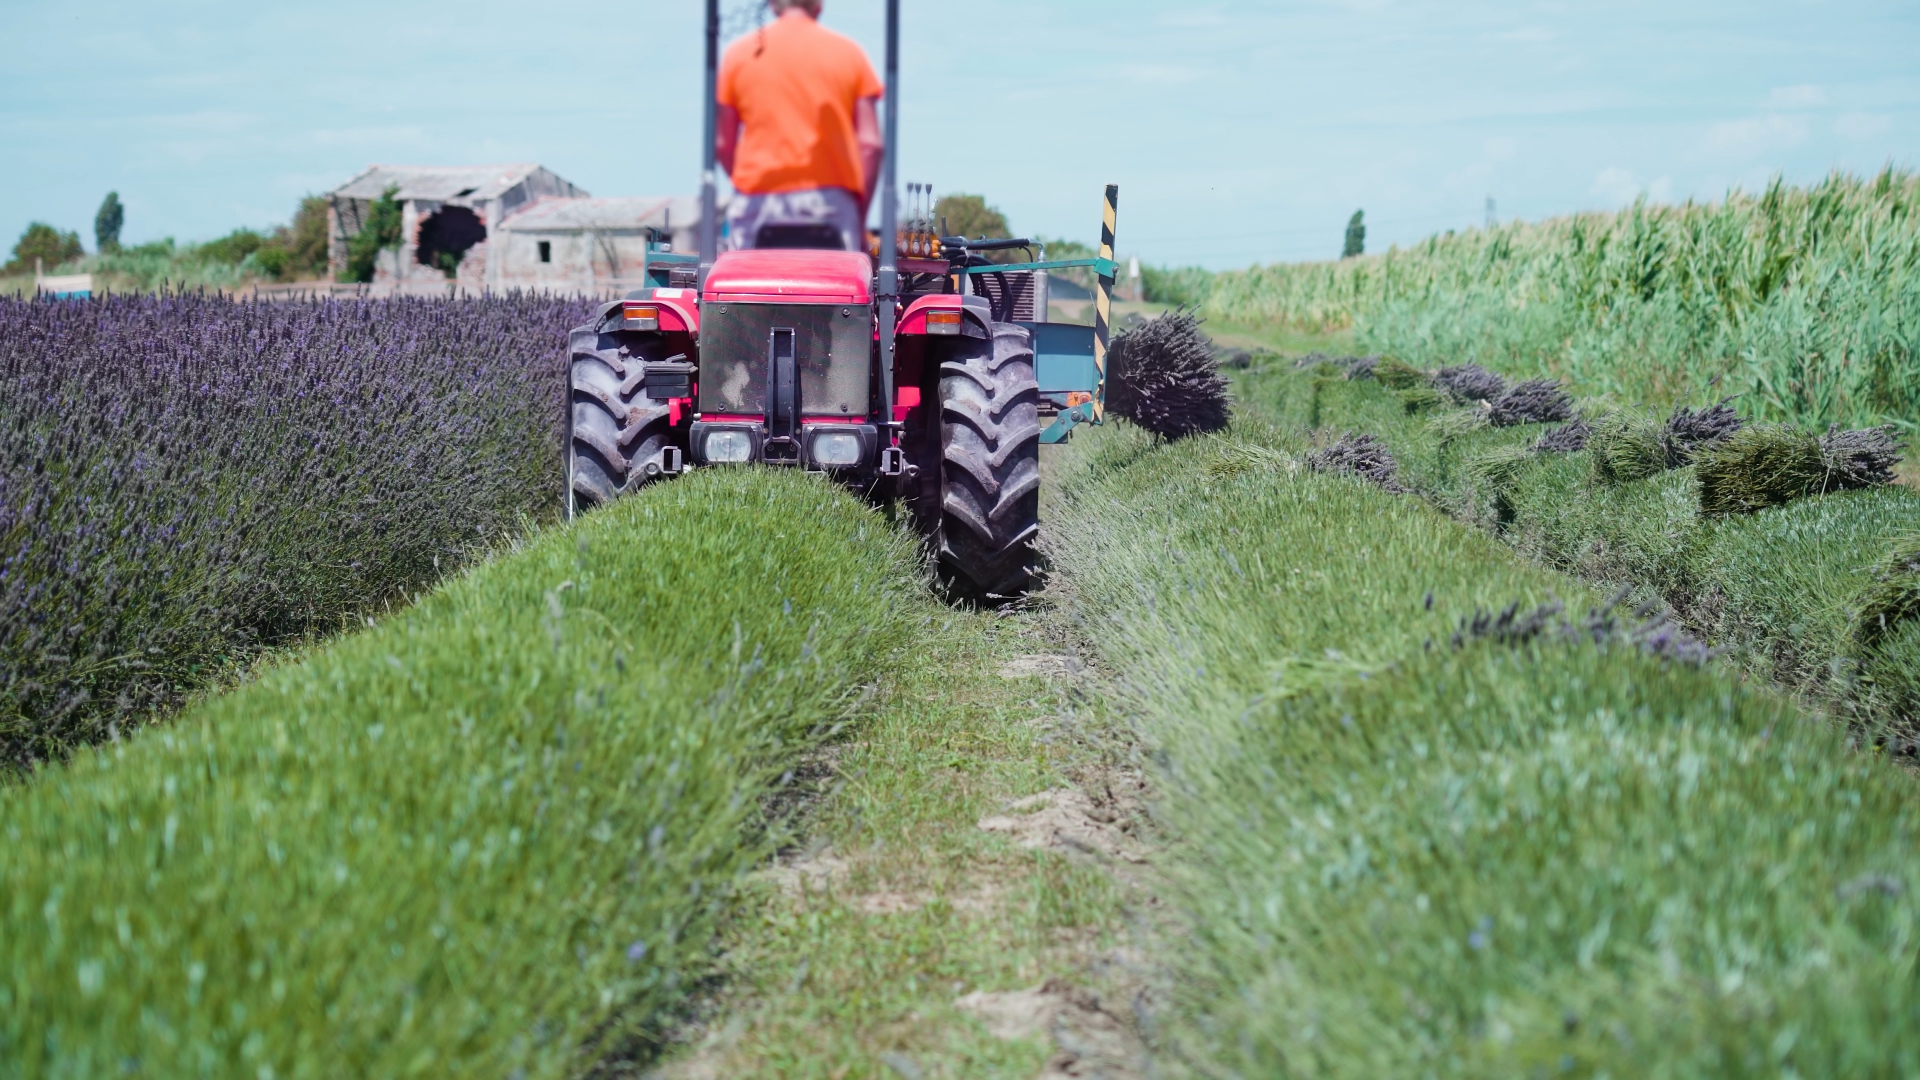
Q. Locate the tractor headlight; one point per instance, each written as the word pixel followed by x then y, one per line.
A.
pixel 729 447
pixel 943 322
pixel 833 449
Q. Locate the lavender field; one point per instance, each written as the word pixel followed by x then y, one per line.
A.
pixel 185 479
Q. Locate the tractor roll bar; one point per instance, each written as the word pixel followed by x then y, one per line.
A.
pixel 709 202
pixel 888 294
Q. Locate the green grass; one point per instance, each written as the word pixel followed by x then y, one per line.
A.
pixel 1786 585
pixel 1779 587
pixel 922 906
pixel 1402 858
pixel 147 270
pixel 1279 337
pixel 489 836
pixel 241 258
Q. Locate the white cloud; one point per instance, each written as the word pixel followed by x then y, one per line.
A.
pixel 1804 96
pixel 1616 185
pixel 1161 74
pixel 208 121
pixel 1620 187
pixel 1202 18
pixel 1758 134
pixel 1364 6
pixel 1856 125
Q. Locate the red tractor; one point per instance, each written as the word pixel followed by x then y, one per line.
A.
pixel 926 379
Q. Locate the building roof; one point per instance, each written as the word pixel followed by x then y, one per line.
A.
pixel 436 182
pixel 557 214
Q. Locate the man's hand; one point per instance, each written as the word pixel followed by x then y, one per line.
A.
pixel 726 136
pixel 866 135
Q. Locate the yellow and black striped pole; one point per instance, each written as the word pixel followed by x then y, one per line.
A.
pixel 1103 302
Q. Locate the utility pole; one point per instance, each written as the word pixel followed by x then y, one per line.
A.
pixel 1490 216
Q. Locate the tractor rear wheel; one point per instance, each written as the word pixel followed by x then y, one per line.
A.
pixel 614 429
pixel 989 466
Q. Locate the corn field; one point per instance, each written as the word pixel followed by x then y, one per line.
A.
pixel 1803 303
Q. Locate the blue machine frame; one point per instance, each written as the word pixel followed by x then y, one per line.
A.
pixel 1069 359
pixel 657 269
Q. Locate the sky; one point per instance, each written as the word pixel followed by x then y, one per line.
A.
pixel 1238 132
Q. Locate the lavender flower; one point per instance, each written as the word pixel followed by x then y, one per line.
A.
pixel 1565 439
pixel 186 477
pixel 1470 382
pixel 1689 431
pixel 1165 379
pixel 1535 401
pixel 1654 634
pixel 1359 455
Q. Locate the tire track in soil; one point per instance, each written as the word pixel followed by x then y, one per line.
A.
pixel 925 865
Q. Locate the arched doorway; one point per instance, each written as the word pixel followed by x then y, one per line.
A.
pixel 446 235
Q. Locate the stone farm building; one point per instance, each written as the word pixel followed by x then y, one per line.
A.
pixel 590 245
pixel 508 227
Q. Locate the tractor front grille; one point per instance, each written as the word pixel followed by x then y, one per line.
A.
pixel 833 353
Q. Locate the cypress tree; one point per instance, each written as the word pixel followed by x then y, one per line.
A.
pixel 1356 236
pixel 106 224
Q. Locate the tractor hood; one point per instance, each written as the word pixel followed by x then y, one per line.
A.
pixel 791 275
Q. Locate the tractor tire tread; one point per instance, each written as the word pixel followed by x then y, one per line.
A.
pixel 990 443
pixel 608 399
pixel 1000 394
pixel 599 444
pixel 640 420
pixel 614 427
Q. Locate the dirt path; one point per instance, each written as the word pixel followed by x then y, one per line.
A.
pixel 963 893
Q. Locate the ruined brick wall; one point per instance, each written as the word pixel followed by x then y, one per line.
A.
pixel 594 262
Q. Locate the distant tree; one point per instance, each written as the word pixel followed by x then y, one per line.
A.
pixel 162 248
pixel 299 252
pixel 307 240
pixel 1065 249
pixel 232 248
pixel 1057 248
pixel 381 231
pixel 46 243
pixel 1185 285
pixel 970 216
pixel 106 224
pixel 1356 236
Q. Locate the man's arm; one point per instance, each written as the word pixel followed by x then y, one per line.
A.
pixel 726 136
pixel 866 135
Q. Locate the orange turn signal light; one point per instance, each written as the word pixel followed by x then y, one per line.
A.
pixel 642 316
pixel 943 322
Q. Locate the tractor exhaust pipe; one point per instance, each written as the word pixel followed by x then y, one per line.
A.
pixel 889 292
pixel 709 200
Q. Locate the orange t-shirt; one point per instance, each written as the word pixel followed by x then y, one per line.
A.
pixel 794 84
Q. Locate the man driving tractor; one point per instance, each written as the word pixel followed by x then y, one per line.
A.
pixel 914 378
pixel 798 131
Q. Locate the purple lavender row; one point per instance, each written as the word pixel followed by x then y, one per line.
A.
pixel 185 478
